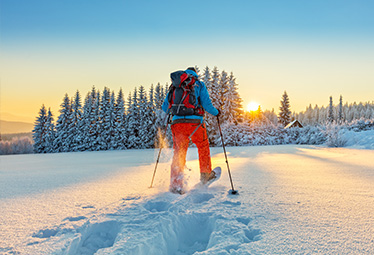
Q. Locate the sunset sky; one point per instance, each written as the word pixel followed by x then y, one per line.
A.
pixel 312 49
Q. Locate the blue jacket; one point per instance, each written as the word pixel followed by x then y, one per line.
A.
pixel 200 92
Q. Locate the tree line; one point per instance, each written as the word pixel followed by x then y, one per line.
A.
pixel 339 113
pixel 105 121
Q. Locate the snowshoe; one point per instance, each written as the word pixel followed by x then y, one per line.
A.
pixel 177 190
pixel 208 178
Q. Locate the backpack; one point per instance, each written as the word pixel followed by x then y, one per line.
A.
pixel 182 98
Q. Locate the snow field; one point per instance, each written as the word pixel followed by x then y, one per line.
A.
pixel 293 200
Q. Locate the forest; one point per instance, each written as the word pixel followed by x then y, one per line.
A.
pixel 106 121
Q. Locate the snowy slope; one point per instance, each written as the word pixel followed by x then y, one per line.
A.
pixel 293 200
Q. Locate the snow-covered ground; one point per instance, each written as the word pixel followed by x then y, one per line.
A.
pixel 293 200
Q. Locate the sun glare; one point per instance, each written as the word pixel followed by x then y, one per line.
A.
pixel 252 106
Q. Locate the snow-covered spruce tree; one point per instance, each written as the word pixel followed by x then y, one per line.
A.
pixel 160 115
pixel 232 105
pixel 330 116
pixel 223 89
pixel 340 112
pixel 146 118
pixel 133 141
pixel 77 123
pixel 142 118
pixel 51 133
pixel 151 96
pixel 96 122
pixel 106 124
pixel 284 116
pixel 215 95
pixel 87 129
pixel 166 90
pixel 40 132
pixel 151 112
pixel 112 121
pixel 64 137
pixel 206 78
pixel 90 119
pixel 158 96
pixel 120 137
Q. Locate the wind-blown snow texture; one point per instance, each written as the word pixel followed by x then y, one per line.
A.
pixel 293 200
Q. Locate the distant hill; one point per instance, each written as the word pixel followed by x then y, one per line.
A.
pixel 18 118
pixel 13 127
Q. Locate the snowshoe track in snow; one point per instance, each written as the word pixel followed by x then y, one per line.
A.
pixel 195 223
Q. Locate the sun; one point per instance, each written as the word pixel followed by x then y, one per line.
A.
pixel 252 106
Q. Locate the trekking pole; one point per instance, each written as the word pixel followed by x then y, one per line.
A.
pixel 159 152
pixel 232 191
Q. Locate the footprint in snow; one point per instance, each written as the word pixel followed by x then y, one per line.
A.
pixel 157 206
pixel 78 218
pixel 231 203
pixel 130 198
pixel 199 198
pixel 95 237
pixel 45 233
pixel 88 207
pixel 244 220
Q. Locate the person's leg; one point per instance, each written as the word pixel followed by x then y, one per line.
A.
pixel 200 138
pixel 180 145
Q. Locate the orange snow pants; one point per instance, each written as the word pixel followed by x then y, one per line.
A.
pixel 181 133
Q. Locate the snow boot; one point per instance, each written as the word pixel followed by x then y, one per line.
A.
pixel 177 190
pixel 208 178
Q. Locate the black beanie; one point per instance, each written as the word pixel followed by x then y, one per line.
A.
pixel 192 69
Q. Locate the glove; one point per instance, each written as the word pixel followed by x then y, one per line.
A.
pixel 219 113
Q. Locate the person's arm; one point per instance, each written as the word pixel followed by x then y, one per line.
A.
pixel 205 100
pixel 165 105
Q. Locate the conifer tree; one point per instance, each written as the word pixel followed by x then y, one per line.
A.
pixel 120 138
pixel 158 96
pixel 96 122
pixel 113 134
pixel 160 115
pixel 232 103
pixel 133 122
pixel 64 137
pixel 151 96
pixel 284 116
pixel 87 129
pixel 106 123
pixel 77 123
pixel 330 116
pixel 215 89
pixel 215 95
pixel 146 136
pixel 207 79
pixel 151 113
pixel 51 132
pixel 222 91
pixel 340 115
pixel 40 132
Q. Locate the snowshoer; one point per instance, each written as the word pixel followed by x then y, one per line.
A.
pixel 187 100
